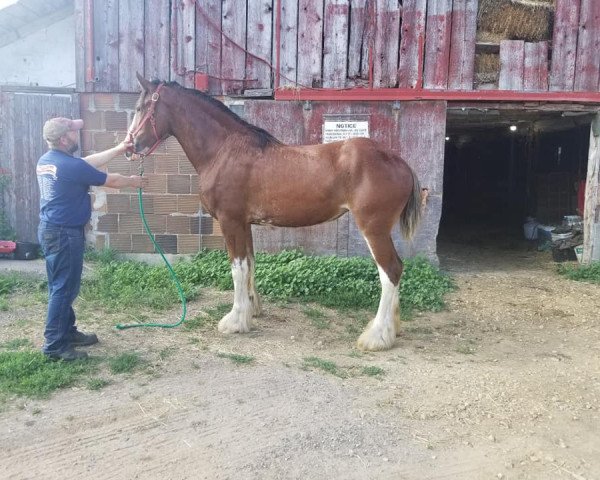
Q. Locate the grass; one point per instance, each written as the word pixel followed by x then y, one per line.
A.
pixel 97 383
pixel 582 273
pixel 124 363
pixel 317 318
pixel 209 318
pixel 31 374
pixel 341 372
pixel 236 358
pixel 16 344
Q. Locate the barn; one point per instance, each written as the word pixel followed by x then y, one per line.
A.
pixel 494 103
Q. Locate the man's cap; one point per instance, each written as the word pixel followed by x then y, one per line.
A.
pixel 57 127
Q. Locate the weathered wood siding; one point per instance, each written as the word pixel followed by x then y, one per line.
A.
pixel 392 127
pixel 21 145
pixel 241 45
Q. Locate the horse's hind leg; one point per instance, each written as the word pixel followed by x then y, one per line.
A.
pixel 380 334
pixel 254 298
pixel 239 320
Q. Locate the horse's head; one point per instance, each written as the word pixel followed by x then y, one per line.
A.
pixel 150 125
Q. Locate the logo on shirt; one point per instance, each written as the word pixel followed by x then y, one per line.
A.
pixel 46 170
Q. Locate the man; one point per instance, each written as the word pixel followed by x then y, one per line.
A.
pixel 65 208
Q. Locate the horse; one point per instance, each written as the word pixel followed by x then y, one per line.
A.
pixel 248 177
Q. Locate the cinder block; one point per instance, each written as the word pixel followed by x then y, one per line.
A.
pixel 188 243
pixel 92 120
pixel 195 224
pixel 141 243
pixel 179 224
pixel 130 223
pixel 168 163
pixel 206 225
pixel 178 184
pixel 105 101
pixel 108 223
pixel 120 165
pixel 127 101
pixel 188 204
pixel 156 183
pixel 120 242
pixel 167 242
pixel 147 203
pixel 103 141
pixel 115 121
pixel 185 167
pixel 118 203
pixel 212 242
pixel 195 186
pixel 165 204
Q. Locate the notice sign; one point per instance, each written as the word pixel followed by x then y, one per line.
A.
pixel 336 130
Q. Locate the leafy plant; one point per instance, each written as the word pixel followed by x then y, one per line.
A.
pixel 583 273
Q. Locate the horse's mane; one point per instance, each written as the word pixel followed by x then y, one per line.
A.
pixel 263 137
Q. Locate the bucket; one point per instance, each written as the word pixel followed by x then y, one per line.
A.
pixel 530 229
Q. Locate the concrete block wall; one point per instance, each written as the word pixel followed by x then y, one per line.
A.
pixel 170 201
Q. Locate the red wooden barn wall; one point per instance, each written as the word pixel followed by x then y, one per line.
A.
pixel 322 43
pixel 416 130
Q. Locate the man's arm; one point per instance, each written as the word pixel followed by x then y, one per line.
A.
pixel 116 180
pixel 102 158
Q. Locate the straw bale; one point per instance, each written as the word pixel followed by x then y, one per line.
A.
pixel 487 68
pixel 529 20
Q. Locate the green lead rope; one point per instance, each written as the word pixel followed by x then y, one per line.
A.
pixel 173 274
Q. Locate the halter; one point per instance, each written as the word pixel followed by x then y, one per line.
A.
pixel 149 116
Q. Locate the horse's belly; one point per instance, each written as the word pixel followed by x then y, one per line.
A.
pixel 296 217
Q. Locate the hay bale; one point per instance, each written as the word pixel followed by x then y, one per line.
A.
pixel 487 68
pixel 529 20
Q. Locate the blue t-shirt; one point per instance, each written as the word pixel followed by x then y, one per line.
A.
pixel 64 183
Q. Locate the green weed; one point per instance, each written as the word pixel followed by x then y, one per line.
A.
pixel 325 365
pixel 317 318
pixel 97 383
pixel 583 273
pixel 31 374
pixel 372 371
pixel 236 358
pixel 124 363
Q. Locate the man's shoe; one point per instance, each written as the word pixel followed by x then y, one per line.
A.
pixel 80 339
pixel 68 355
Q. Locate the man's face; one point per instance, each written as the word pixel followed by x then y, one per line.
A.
pixel 69 140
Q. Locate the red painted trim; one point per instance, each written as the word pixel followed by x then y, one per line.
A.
pixel 89 41
pixel 391 94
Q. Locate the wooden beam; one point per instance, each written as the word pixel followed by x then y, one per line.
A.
pixel 564 45
pixel 437 47
pixel 335 43
pixel 512 55
pixel 406 94
pixel 412 36
pixel 462 47
pixel 591 216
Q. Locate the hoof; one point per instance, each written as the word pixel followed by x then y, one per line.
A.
pixel 373 340
pixel 234 322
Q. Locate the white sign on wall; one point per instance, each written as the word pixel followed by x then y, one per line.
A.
pixel 336 130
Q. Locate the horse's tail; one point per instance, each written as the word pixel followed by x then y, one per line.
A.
pixel 411 215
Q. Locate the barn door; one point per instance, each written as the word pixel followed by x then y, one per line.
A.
pixel 21 145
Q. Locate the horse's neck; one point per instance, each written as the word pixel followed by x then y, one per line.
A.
pixel 200 128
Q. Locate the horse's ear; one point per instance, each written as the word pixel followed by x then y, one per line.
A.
pixel 142 81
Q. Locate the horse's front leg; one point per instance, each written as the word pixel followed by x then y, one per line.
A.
pixel 254 298
pixel 239 320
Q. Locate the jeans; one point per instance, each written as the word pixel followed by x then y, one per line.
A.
pixel 63 248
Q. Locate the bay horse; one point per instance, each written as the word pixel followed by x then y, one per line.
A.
pixel 247 176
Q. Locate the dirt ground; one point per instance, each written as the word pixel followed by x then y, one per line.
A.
pixel 504 384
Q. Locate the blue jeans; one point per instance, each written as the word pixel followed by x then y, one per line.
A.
pixel 63 248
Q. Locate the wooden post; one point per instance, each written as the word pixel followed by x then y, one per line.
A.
pixel 591 216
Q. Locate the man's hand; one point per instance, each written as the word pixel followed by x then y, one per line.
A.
pixel 138 181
